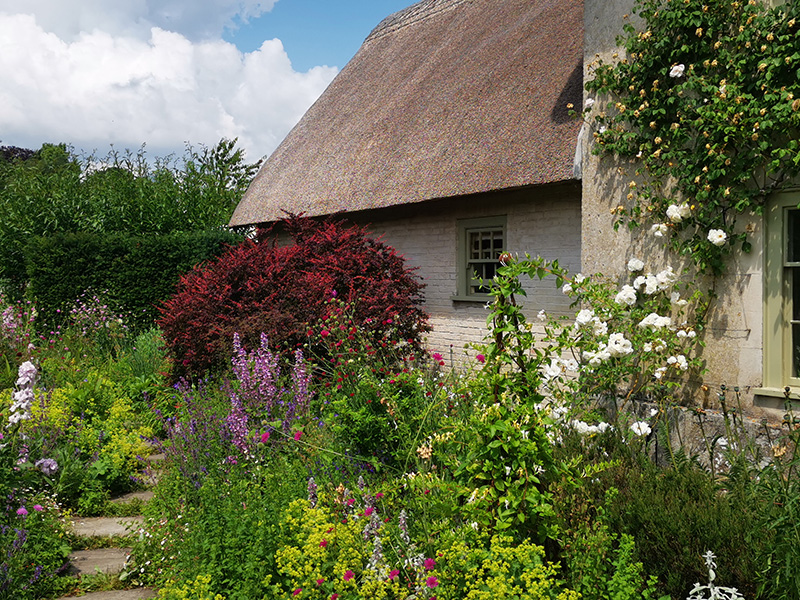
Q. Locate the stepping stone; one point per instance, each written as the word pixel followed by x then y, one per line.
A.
pixel 138 594
pixel 104 560
pixel 106 526
pixel 144 496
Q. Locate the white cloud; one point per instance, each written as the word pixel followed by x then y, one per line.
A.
pixel 119 75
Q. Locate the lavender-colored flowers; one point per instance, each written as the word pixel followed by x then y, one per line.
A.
pixel 24 396
pixel 48 466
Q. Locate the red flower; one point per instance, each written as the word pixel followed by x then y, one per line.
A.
pixel 323 543
pixel 334 596
pixel 320 582
pixel 297 592
pixel 480 358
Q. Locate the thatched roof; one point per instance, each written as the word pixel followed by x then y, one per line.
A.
pixel 444 98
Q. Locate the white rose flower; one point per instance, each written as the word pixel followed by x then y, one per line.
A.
pixel 717 237
pixel 675 298
pixel 639 282
pixel 589 103
pixel 542 316
pixel 673 214
pixel 647 347
pixel 651 285
pixel 635 265
pixel 579 278
pixel 641 428
pixel 655 321
pixel 677 71
pixel 627 295
pixel 618 345
pixel 567 288
pixel 659 230
pixel 599 327
pixel 666 278
pixel 584 317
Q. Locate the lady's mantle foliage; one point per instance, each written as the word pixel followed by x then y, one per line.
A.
pixel 706 96
pixel 260 286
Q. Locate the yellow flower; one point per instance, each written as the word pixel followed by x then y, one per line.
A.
pixel 699 32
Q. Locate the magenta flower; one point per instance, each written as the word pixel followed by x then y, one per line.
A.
pixel 297 435
pixel 37 507
pixel 297 592
pixel 379 495
pixel 393 573
pixel 320 582
pixel 323 543
pixel 348 575
pixel 334 596
pixel 429 564
pixel 437 357
pixel 431 582
pixel 480 358
pixel 22 511
pixel 368 511
pixel 264 437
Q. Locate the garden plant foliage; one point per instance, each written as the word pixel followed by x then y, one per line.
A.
pixel 262 286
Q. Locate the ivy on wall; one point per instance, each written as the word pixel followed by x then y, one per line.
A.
pixel 704 96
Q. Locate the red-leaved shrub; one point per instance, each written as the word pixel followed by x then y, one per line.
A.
pixel 260 286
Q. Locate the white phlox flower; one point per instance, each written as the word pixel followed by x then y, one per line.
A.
pixel 635 265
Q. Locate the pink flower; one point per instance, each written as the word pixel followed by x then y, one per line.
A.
pixel 37 507
pixel 393 573
pixel 22 511
pixel 379 495
pixel 350 501
pixel 325 333
pixel 429 564
pixel 437 357
pixel 320 582
pixel 480 358
pixel 297 435
pixel 348 575
pixel 297 592
pixel 264 437
pixel 368 511
pixel 431 582
pixel 323 543
pixel 334 596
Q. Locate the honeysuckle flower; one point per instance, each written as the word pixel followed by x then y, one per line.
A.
pixel 627 295
pixel 717 237
pixel 635 265
pixel 658 230
pixel 677 71
pixel 641 428
pixel 297 592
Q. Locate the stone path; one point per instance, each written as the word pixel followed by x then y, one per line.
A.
pixel 110 561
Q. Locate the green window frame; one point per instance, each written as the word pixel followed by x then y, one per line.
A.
pixel 479 246
pixel 782 295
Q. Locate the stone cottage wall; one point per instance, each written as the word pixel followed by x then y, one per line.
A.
pixel 733 351
pixel 540 221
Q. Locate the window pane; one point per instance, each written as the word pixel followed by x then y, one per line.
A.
pixel 795 350
pixel 794 278
pixel 793 236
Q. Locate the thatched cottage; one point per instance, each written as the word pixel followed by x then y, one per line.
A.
pixel 448 134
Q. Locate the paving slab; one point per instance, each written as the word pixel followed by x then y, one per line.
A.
pixel 104 560
pixel 137 594
pixel 144 496
pixel 105 526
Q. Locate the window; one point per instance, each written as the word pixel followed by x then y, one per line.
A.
pixel 782 294
pixel 480 243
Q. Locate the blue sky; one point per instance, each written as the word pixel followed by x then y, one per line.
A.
pixel 95 73
pixel 316 32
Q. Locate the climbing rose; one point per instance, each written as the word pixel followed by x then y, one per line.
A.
pixel 717 237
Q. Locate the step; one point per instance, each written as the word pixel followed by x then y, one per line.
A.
pixel 101 560
pixel 144 496
pixel 105 526
pixel 137 594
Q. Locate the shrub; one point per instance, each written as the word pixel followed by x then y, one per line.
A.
pixel 260 286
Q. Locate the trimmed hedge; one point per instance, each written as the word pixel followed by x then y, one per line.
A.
pixel 134 273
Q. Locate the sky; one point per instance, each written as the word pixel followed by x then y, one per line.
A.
pixel 101 73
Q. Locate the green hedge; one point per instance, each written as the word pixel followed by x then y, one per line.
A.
pixel 134 273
